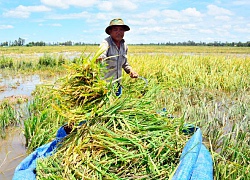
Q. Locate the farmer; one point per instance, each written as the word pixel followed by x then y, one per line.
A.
pixel 115 53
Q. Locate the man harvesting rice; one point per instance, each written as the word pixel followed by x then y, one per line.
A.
pixel 115 52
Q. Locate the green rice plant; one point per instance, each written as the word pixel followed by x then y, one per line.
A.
pixel 61 60
pixel 43 122
pixel 201 72
pixel 47 61
pixel 6 62
pixel 8 117
pixel 23 65
pixel 40 129
pixel 213 93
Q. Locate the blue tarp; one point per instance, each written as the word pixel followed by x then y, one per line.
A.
pixel 195 162
pixel 26 170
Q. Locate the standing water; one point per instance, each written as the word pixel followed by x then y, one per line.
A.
pixel 12 146
pixel 12 152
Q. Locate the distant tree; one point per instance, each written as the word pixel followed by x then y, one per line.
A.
pixel 5 43
pixel 68 43
pixel 20 41
pixel 240 44
pixel 78 44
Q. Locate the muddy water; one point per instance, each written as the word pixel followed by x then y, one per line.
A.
pixel 18 86
pixel 12 147
pixel 12 152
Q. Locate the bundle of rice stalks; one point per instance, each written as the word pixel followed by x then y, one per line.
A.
pixel 82 91
pixel 84 85
pixel 68 101
pixel 126 140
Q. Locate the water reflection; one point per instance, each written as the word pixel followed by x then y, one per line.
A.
pixel 12 147
pixel 12 152
pixel 18 86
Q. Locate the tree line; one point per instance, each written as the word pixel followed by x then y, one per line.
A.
pixel 18 42
pixel 21 42
pixel 192 43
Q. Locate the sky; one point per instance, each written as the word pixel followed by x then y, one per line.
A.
pixel 150 21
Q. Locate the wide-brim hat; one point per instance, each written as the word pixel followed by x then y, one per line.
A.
pixel 117 22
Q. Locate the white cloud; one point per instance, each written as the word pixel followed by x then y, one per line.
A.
pixel 25 11
pixel 113 5
pixel 206 31
pixel 222 18
pixel 101 16
pixel 145 15
pixel 154 29
pixel 192 12
pixel 125 5
pixel 242 30
pixel 33 8
pixel 146 22
pixel 170 16
pixel 16 14
pixel 6 27
pixel 189 26
pixel 151 22
pixel 186 15
pixel 226 26
pixel 56 25
pixel 83 14
pixel 222 32
pixel 171 13
pixel 105 5
pixel 217 11
pixel 67 3
pixel 81 3
pixel 55 3
pixel 241 2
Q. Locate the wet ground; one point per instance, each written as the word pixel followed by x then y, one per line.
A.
pixel 12 147
pixel 12 152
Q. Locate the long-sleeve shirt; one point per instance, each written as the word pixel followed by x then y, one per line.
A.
pixel 115 59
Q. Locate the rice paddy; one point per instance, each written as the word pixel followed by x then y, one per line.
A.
pixel 131 137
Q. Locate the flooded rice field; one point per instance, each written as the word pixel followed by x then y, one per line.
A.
pixel 12 145
pixel 67 55
pixel 18 86
pixel 12 152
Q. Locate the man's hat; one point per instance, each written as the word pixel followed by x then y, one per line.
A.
pixel 117 22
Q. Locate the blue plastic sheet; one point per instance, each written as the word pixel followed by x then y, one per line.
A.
pixel 195 162
pixel 26 170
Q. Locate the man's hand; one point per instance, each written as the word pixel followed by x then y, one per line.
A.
pixel 133 74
